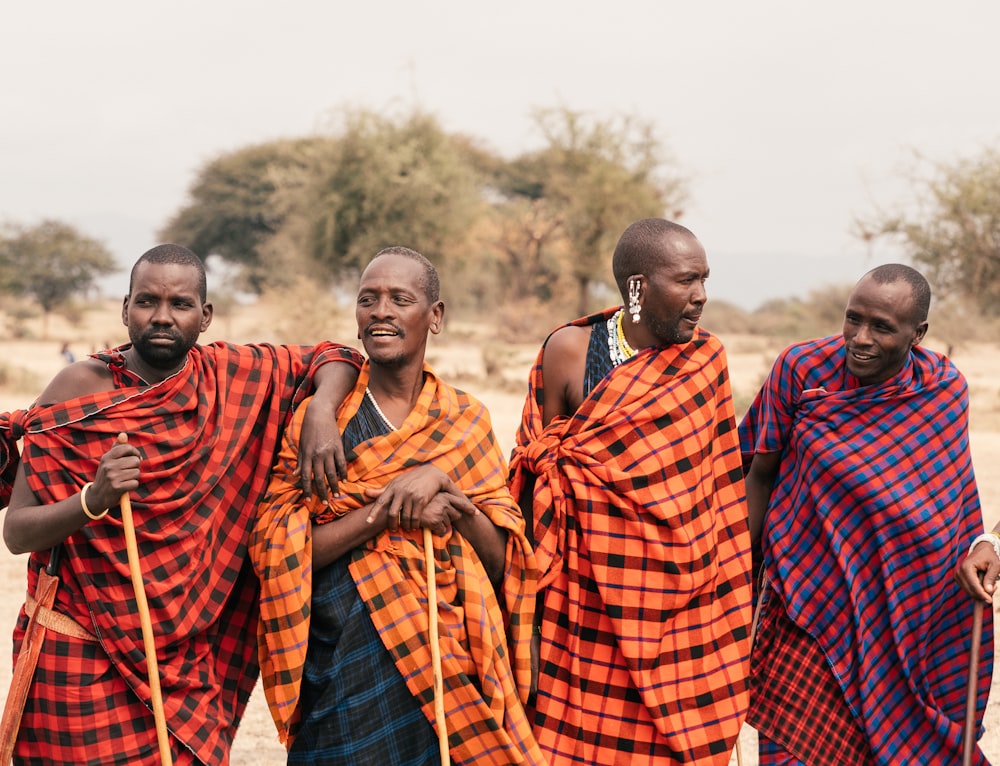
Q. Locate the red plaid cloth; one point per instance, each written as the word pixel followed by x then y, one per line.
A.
pixel 811 719
pixel 208 436
pixel 484 683
pixel 11 431
pixel 643 547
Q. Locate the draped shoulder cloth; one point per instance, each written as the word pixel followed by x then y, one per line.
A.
pixel 207 435
pixel 484 636
pixel 641 538
pixel 874 503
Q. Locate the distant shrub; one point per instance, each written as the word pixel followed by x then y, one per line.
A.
pixel 18 380
pixel 528 320
pixel 307 312
pixel 792 319
pixel 722 317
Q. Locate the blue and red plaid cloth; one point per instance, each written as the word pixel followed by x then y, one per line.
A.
pixel 874 503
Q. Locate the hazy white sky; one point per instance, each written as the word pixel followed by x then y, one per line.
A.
pixel 790 118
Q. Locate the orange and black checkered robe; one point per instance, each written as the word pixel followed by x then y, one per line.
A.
pixel 643 552
pixel 484 637
pixel 208 436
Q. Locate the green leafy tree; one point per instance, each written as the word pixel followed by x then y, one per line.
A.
pixel 530 240
pixel 52 262
pixel 403 182
pixel 595 176
pixel 323 205
pixel 953 227
pixel 242 202
pixel 536 227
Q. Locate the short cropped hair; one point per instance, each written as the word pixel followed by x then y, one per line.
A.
pixel 921 290
pixel 431 282
pixel 173 254
pixel 640 247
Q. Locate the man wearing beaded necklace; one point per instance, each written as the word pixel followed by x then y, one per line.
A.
pixel 344 639
pixel 628 472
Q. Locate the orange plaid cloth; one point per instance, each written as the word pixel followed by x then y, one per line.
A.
pixel 451 430
pixel 643 552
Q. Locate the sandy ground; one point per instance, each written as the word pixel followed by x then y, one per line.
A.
pixel 461 360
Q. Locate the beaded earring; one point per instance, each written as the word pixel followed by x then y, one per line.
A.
pixel 633 300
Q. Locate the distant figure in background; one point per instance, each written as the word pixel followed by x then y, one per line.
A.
pixel 67 353
pixel 861 483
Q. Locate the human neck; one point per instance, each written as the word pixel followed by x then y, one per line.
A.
pixel 634 334
pixel 396 392
pixel 145 371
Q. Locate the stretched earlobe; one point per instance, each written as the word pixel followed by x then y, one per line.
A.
pixel 634 288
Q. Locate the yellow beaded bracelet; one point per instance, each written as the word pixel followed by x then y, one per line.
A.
pixel 83 504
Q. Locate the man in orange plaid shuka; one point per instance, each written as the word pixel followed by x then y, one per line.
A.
pixel 203 426
pixel 344 633
pixel 628 470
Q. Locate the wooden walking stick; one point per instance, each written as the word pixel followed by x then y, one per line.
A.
pixel 432 617
pixel 152 669
pixel 972 687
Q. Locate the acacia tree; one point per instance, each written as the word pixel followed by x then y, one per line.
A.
pixel 596 176
pixel 243 201
pixel 51 262
pixel 528 235
pixel 953 227
pixel 509 229
pixel 405 182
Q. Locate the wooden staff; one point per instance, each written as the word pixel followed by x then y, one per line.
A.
pixel 152 669
pixel 972 687
pixel 432 617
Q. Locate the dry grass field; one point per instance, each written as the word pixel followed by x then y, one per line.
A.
pixel 473 359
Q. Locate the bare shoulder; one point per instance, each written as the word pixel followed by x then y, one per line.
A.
pixel 88 376
pixel 566 344
pixel 564 361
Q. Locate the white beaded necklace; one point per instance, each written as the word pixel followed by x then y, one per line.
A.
pixel 618 347
pixel 371 398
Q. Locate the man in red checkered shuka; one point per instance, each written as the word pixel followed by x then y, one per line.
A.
pixel 201 426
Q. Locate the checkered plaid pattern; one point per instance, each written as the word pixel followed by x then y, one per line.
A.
pixel 356 707
pixel 644 554
pixel 61 728
pixel 810 719
pixel 484 683
pixel 874 503
pixel 11 430
pixel 770 753
pixel 208 436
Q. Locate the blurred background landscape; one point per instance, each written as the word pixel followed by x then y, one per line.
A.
pixel 471 355
pixel 511 145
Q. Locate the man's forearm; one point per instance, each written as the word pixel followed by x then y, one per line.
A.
pixel 759 485
pixel 334 382
pixel 332 540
